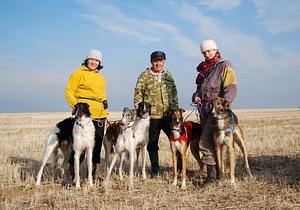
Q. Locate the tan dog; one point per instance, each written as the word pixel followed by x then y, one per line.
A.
pixel 227 132
pixel 181 135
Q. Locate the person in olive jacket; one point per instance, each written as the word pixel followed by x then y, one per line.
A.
pixel 156 86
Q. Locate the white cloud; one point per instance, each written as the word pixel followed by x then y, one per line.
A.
pixel 240 47
pixel 124 28
pixel 114 20
pixel 278 16
pixel 220 4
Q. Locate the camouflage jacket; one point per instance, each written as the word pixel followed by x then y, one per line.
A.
pixel 160 93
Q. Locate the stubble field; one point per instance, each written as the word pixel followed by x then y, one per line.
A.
pixel 272 139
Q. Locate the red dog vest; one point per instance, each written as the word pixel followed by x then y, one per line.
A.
pixel 187 134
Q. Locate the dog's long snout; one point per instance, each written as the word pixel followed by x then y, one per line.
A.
pixel 122 124
pixel 213 112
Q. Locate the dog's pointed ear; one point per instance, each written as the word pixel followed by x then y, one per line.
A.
pixel 134 112
pixel 126 109
pixel 226 104
pixel 74 109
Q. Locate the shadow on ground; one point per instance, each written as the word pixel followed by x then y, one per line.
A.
pixel 29 168
pixel 273 168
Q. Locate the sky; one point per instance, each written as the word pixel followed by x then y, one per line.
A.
pixel 43 42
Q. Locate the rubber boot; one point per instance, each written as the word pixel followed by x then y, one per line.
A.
pixel 211 179
pixel 153 155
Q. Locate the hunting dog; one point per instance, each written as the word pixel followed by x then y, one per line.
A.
pixel 112 133
pixel 226 132
pixel 182 132
pixel 83 136
pixel 62 137
pixel 133 140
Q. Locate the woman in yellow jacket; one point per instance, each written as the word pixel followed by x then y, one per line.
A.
pixel 88 85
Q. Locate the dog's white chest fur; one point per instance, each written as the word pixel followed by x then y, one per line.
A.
pixel 222 136
pixel 135 136
pixel 83 134
pixel 141 131
pixel 176 134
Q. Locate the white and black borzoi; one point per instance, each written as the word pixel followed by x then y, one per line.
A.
pixel 78 131
pixel 112 133
pixel 133 140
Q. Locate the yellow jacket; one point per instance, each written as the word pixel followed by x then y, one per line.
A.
pixel 88 87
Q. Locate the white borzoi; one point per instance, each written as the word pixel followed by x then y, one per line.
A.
pixel 62 137
pixel 133 139
pixel 83 135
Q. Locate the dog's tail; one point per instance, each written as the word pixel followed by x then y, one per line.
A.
pixel 52 139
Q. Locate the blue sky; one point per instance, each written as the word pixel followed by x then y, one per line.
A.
pixel 43 42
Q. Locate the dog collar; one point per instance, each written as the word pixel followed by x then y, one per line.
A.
pixel 79 124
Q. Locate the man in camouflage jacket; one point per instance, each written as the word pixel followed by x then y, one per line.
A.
pixel 156 86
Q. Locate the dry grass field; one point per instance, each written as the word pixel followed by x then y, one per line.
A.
pixel 272 139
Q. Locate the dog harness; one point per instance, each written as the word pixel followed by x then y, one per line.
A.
pixel 231 128
pixel 186 134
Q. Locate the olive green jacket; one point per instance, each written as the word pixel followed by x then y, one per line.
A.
pixel 161 93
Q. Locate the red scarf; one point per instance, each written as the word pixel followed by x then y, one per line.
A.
pixel 205 66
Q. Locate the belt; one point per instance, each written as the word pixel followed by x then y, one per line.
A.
pixel 92 99
pixel 98 119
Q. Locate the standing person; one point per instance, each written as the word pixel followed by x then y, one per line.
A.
pixel 156 86
pixel 88 85
pixel 216 77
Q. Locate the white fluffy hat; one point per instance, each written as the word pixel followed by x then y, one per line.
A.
pixel 96 54
pixel 208 44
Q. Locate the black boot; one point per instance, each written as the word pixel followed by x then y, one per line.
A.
pixel 211 179
pixel 153 155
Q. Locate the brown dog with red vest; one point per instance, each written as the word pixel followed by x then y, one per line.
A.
pixel 182 132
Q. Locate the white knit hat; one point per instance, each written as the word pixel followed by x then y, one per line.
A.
pixel 96 54
pixel 208 44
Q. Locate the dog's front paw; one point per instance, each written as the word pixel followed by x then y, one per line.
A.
pixel 183 185
pixel 233 184
pixel 174 184
pixel 91 185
